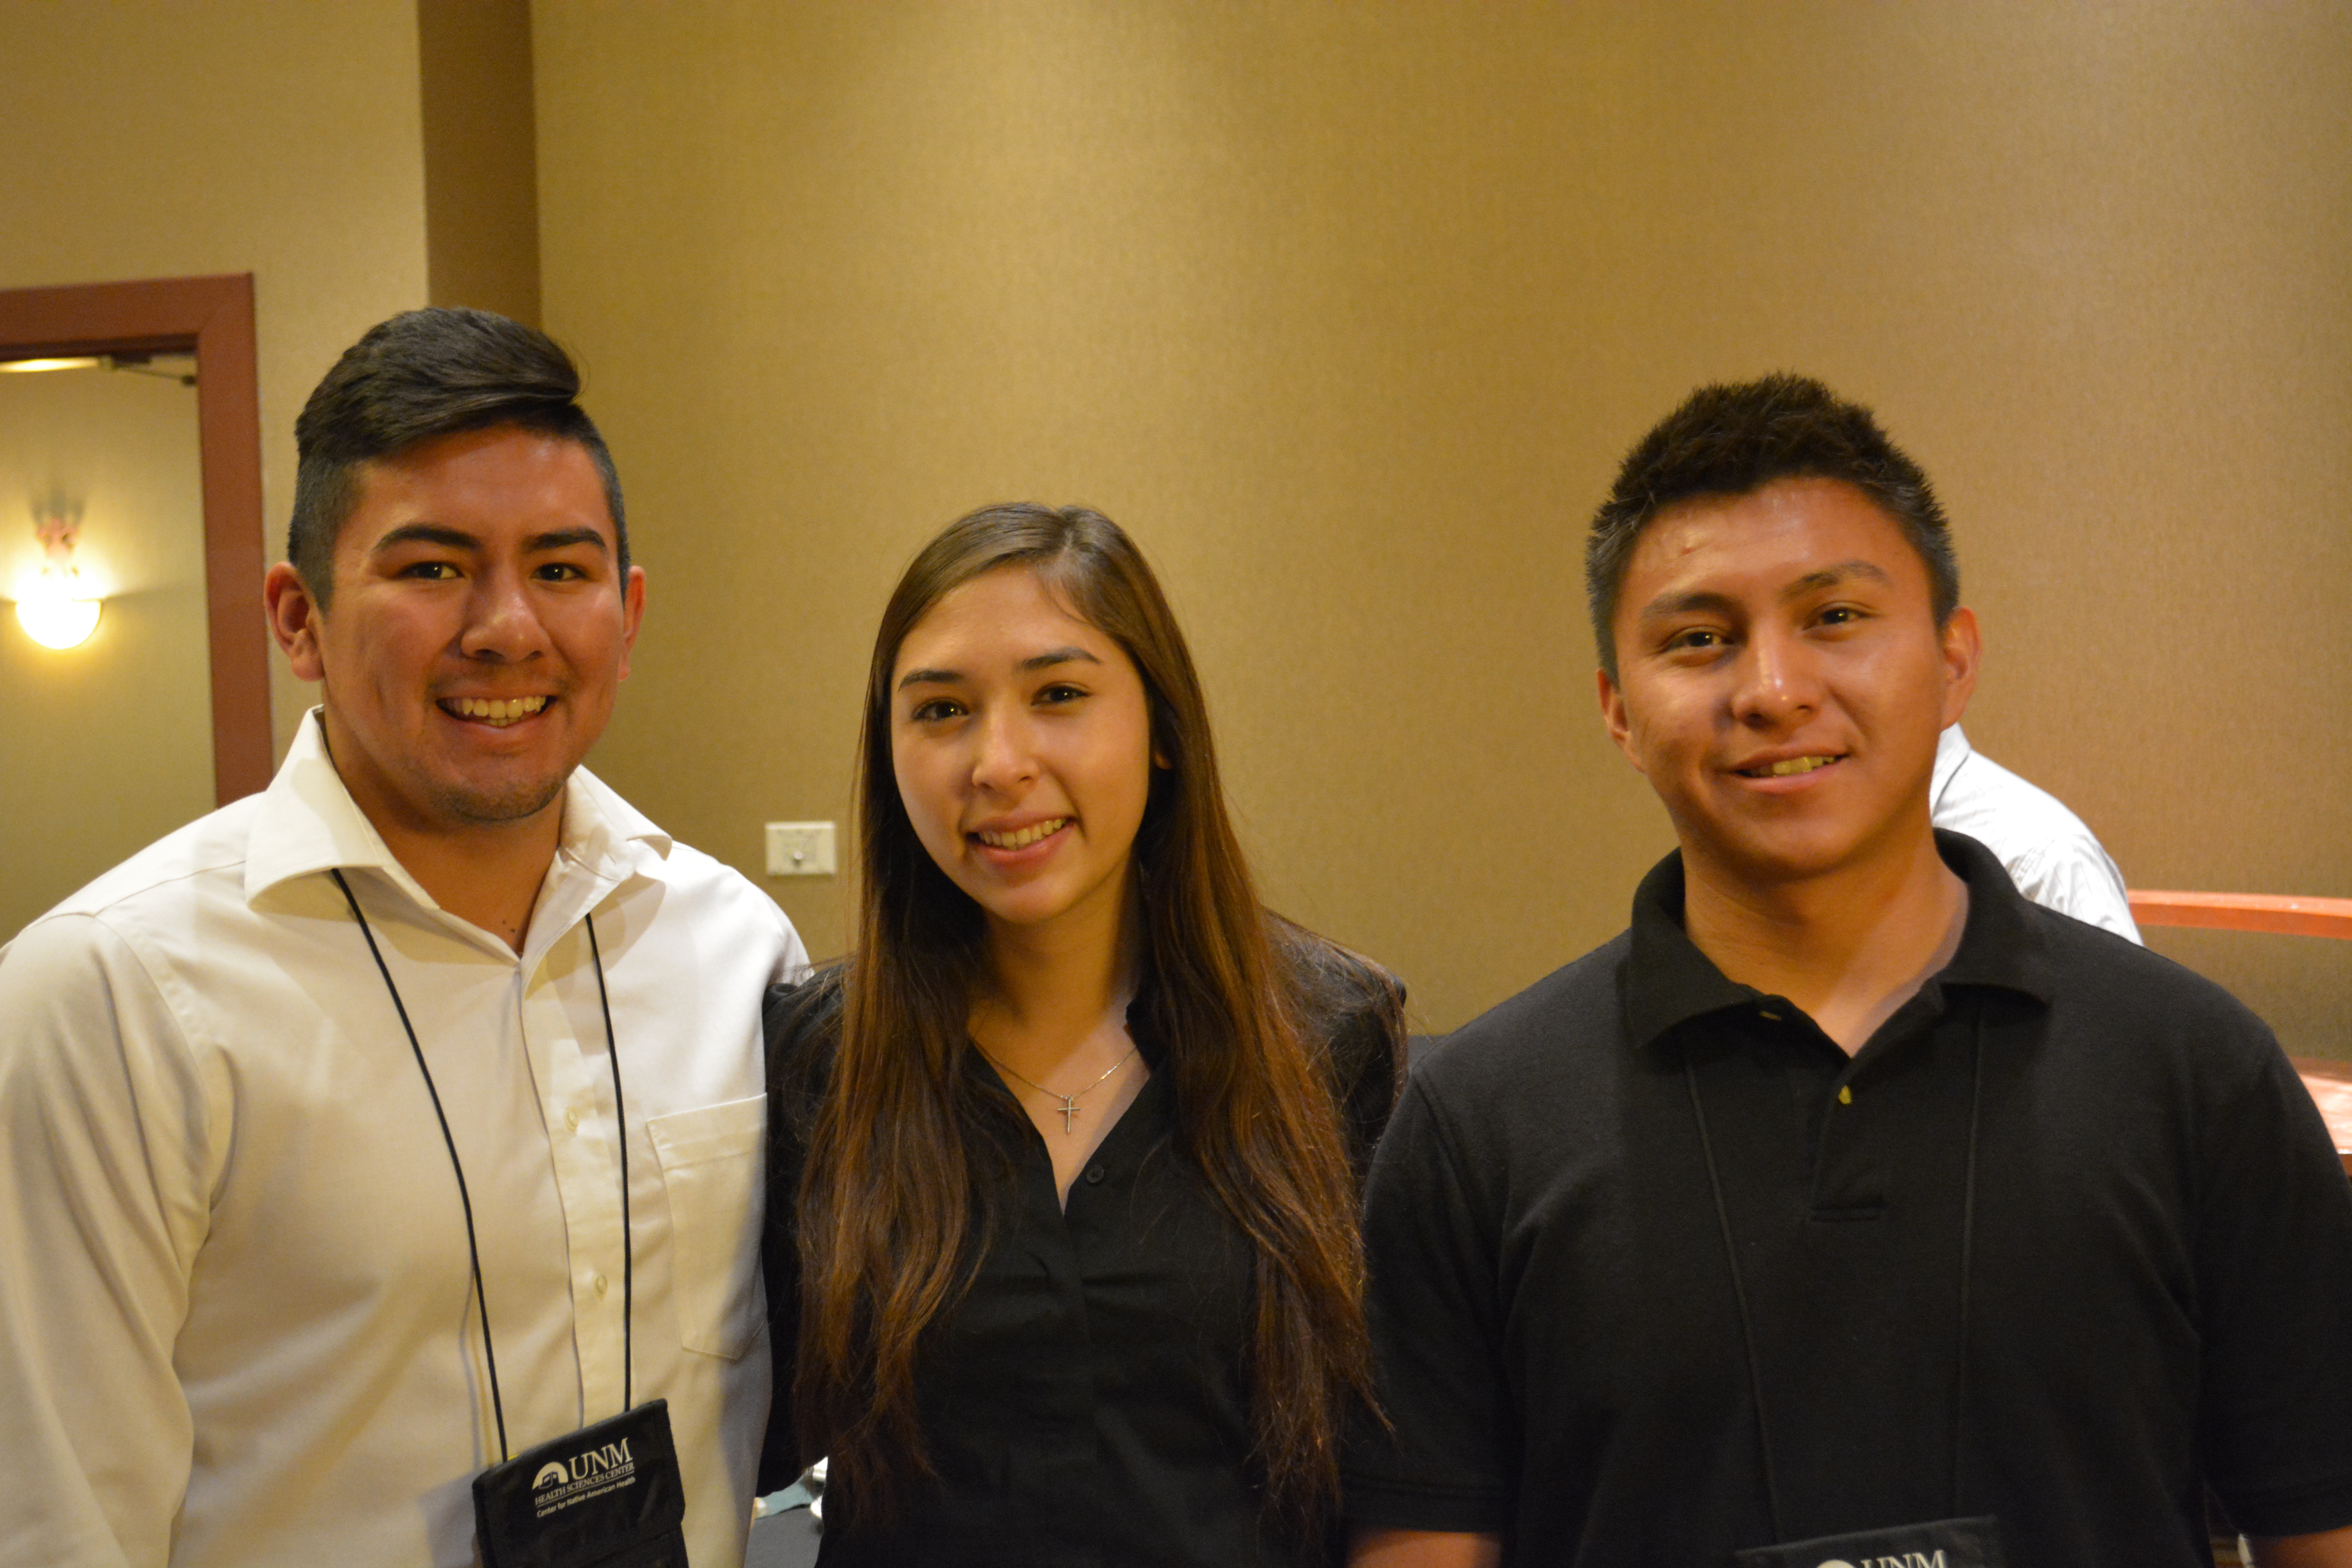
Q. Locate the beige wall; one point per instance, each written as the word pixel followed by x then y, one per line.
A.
pixel 110 744
pixel 1348 311
pixel 152 139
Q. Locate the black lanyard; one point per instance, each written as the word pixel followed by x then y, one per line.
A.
pixel 620 1121
pixel 1739 1288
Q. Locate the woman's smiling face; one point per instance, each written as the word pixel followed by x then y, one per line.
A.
pixel 1021 740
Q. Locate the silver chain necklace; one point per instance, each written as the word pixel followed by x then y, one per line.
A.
pixel 1068 1109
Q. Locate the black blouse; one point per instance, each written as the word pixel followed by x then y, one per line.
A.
pixel 1086 1400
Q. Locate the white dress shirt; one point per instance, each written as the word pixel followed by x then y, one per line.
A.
pixel 2051 857
pixel 237 1315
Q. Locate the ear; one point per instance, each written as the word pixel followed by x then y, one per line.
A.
pixel 632 612
pixel 1162 721
pixel 1963 648
pixel 1612 714
pixel 294 619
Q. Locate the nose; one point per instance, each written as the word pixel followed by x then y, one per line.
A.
pixel 1004 757
pixel 502 622
pixel 1779 684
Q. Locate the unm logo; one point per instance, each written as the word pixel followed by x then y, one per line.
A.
pixel 595 1462
pixel 1908 1560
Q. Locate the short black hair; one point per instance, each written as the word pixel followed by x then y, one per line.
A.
pixel 1733 438
pixel 420 374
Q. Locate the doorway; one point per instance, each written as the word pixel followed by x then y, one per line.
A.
pixel 107 744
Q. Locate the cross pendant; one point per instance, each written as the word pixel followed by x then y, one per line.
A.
pixel 1069 1109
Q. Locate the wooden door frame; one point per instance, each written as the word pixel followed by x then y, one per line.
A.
pixel 211 318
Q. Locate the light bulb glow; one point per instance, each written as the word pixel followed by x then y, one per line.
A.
pixel 67 361
pixel 53 620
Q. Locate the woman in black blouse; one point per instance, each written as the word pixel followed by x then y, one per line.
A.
pixel 1062 1254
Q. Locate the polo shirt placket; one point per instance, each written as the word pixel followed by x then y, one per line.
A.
pixel 1846 1197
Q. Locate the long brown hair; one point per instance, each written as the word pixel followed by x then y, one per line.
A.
pixel 894 1204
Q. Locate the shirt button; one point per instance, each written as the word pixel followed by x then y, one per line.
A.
pixel 602 1285
pixel 1845 1095
pixel 1094 1176
pixel 571 1121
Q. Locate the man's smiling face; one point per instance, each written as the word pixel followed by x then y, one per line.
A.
pixel 479 626
pixel 1781 681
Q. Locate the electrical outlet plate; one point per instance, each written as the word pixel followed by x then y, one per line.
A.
pixel 800 850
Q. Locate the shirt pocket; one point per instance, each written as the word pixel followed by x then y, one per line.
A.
pixel 710 1166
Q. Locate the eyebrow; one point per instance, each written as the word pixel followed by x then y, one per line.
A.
pixel 459 539
pixel 1036 661
pixel 566 538
pixel 1670 604
pixel 425 533
pixel 1831 577
pixel 1058 656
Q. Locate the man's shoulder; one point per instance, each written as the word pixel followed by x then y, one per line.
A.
pixel 2109 989
pixel 2129 1040
pixel 610 826
pixel 151 916
pixel 697 874
pixel 1556 1028
pixel 186 863
pixel 706 891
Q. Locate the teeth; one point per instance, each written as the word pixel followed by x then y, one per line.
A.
pixel 1797 766
pixel 498 712
pixel 1022 838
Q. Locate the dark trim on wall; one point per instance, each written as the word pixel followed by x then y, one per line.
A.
pixel 212 317
pixel 481 155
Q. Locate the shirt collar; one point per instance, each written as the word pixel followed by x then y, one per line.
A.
pixel 1952 749
pixel 308 823
pixel 1668 981
pixel 1143 1018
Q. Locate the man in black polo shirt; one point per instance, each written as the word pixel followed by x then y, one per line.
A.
pixel 1848 1209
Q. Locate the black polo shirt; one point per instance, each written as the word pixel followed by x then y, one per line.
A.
pixel 2159 1274
pixel 1087 1401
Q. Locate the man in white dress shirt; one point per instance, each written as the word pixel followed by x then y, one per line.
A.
pixel 2049 852
pixel 239 1319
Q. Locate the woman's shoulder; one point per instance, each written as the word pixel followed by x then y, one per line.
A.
pixel 801 1022
pixel 1353 1009
pixel 1353 1004
pixel 1329 980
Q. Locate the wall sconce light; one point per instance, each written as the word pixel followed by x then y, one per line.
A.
pixel 53 361
pixel 54 611
pixel 138 363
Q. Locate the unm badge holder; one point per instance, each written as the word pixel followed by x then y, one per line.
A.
pixel 608 1496
pixel 1939 1543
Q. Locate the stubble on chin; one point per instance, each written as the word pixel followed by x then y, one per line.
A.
pixel 516 801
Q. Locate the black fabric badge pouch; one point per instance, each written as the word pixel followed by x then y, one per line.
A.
pixel 608 1496
pixel 1940 1543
